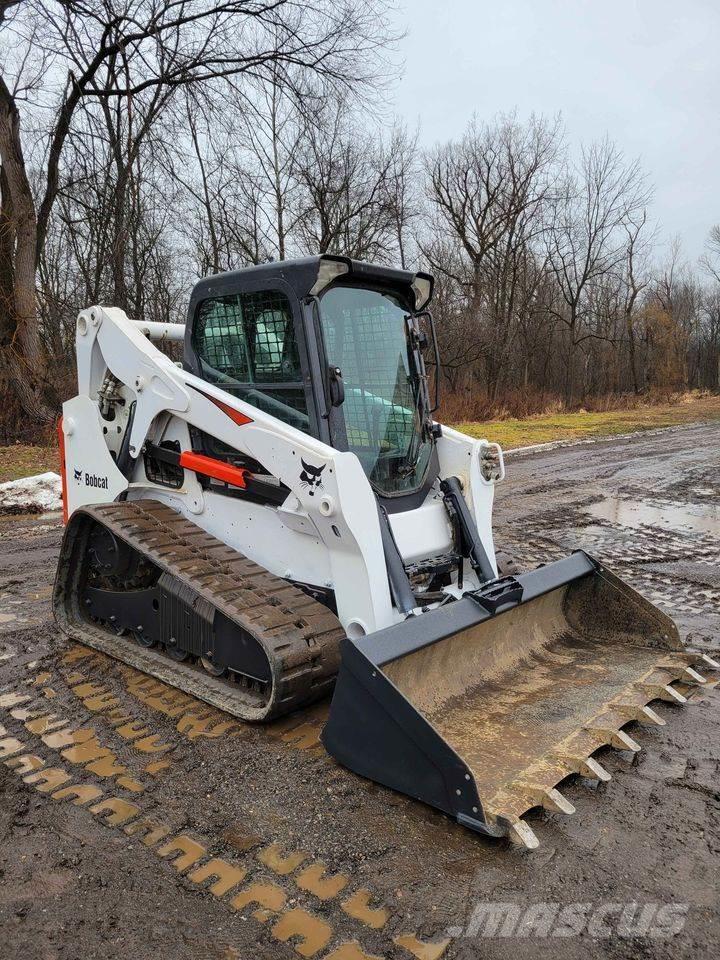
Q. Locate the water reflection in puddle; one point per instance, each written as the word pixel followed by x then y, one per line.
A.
pixel 701 518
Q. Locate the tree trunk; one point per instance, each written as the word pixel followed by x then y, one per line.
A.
pixel 570 369
pixel 7 247
pixel 119 246
pixel 21 349
pixel 279 196
pixel 631 350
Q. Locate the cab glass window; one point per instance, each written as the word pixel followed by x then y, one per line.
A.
pixel 246 345
pixel 366 336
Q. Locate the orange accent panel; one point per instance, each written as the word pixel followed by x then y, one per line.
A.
pixel 239 418
pixel 63 470
pixel 216 469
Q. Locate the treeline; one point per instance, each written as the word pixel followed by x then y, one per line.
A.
pixel 149 142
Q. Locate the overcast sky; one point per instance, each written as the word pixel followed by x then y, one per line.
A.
pixel 647 72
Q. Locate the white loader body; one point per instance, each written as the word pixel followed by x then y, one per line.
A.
pixel 327 535
pixel 280 517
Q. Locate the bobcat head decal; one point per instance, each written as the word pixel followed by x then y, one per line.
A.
pixel 78 475
pixel 310 477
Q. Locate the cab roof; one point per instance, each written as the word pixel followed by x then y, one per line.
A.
pixel 309 276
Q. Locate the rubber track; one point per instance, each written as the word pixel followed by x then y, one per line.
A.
pixel 299 635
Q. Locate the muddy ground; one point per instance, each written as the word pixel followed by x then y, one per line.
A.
pixel 115 793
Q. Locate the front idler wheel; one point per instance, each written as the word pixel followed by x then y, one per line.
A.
pixel 110 556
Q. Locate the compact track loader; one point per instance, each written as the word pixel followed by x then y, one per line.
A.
pixel 279 515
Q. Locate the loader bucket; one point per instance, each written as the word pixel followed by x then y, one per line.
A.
pixel 483 706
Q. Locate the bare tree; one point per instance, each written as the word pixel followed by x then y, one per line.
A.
pixel 710 260
pixel 343 175
pixel 587 237
pixel 114 50
pixel 401 188
pixel 633 278
pixel 274 125
pixel 674 322
pixel 709 357
pixel 146 142
pixel 487 194
pixel 223 222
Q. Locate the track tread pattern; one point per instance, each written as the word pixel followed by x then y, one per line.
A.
pixel 299 635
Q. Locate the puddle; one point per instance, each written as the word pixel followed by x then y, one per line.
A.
pixel 699 518
pixel 358 906
pixel 315 879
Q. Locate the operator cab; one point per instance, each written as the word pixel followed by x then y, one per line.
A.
pixel 333 347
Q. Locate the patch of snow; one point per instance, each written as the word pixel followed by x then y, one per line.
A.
pixel 31 494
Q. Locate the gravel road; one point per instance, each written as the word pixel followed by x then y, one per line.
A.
pixel 137 822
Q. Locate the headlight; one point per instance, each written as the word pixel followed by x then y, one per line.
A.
pixel 492 465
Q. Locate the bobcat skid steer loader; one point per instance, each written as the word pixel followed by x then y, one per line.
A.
pixel 279 514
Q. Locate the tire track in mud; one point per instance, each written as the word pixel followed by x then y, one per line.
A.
pixel 111 769
pixel 654 526
pixel 654 832
pixel 192 719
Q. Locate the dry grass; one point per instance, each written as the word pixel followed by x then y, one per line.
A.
pixel 568 426
pixel 22 460
pixel 467 406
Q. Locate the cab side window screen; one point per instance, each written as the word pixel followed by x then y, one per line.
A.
pixel 246 345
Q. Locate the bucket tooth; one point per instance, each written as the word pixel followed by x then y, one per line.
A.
pixel 618 739
pixel 551 799
pixel 623 741
pixel 594 770
pixel 587 767
pixel 643 714
pixel 523 795
pixel 709 662
pixel 692 659
pixel 521 833
pixel 648 715
pixel 663 691
pixel 692 676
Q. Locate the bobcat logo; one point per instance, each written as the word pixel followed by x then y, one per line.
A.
pixel 310 477
pixel 90 479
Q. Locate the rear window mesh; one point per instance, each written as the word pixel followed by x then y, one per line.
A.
pixel 249 337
